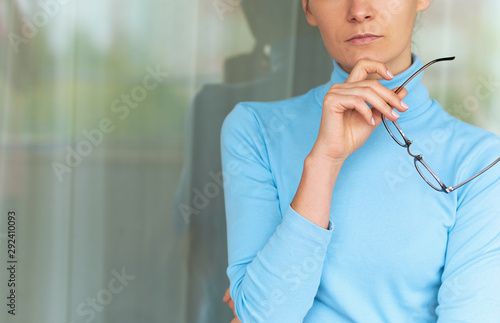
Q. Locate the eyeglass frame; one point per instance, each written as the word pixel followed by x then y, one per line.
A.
pixel 418 158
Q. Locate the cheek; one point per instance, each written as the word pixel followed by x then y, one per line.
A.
pixel 329 31
pixel 403 27
pixel 332 40
pixel 400 13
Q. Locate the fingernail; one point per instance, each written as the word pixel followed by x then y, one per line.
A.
pixel 390 74
pixel 372 121
pixel 395 114
pixel 404 105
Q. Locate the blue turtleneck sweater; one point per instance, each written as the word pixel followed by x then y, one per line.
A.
pixel 396 250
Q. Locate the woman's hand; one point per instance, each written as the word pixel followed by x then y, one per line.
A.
pixel 227 299
pixel 347 121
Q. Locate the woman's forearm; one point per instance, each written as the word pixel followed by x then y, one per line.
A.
pixel 314 194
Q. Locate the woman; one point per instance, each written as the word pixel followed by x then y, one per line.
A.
pixel 328 220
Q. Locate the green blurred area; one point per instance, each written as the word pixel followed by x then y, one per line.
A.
pixel 91 81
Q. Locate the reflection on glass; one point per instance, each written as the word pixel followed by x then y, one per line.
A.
pixel 269 72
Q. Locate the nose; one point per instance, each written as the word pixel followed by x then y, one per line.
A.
pixel 360 11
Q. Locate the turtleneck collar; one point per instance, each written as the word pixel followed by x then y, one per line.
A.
pixel 417 97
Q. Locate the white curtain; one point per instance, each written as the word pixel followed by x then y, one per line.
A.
pixel 110 115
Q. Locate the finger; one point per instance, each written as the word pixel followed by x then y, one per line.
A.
pixel 341 103
pixel 402 93
pixel 372 97
pixel 373 89
pixel 399 89
pixel 377 116
pixel 365 67
pixel 233 308
pixel 227 296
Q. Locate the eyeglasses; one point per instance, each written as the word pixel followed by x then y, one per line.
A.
pixel 433 180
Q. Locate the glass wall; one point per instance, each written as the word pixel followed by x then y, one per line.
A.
pixel 110 118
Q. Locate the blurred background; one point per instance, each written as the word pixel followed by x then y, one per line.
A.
pixel 110 112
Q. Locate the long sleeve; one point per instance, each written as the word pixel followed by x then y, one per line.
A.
pixel 275 255
pixel 470 290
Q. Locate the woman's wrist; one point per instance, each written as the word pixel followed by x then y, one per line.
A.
pixel 328 166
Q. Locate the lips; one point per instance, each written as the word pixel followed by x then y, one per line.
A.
pixel 362 39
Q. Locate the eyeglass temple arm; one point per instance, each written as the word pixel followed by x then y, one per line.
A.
pixel 451 189
pixel 421 69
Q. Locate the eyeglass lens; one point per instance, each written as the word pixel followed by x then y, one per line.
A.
pixel 395 133
pixel 427 175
